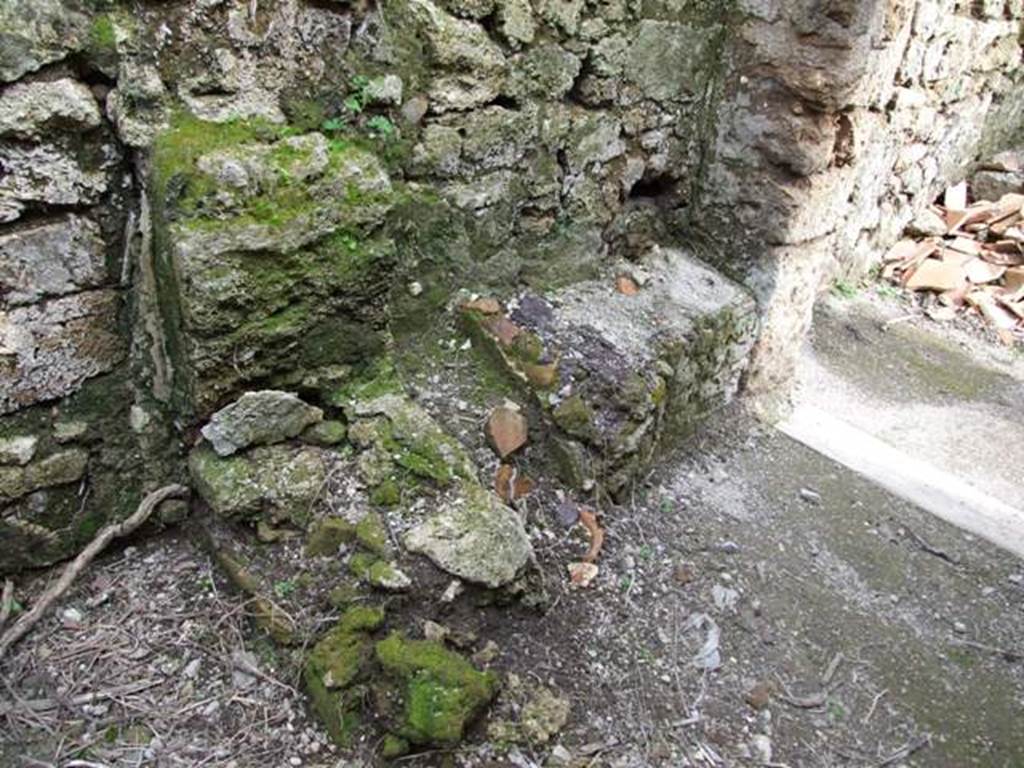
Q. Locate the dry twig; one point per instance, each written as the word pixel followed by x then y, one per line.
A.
pixel 21 627
pixel 6 602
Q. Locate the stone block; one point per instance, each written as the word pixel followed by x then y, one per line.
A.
pixel 54 258
pixel 617 375
pixel 48 349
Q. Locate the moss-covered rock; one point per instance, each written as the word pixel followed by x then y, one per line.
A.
pixel 279 482
pixel 328 534
pixel 269 242
pixel 439 691
pixel 325 434
pixel 337 661
pixel 401 431
pixel 475 536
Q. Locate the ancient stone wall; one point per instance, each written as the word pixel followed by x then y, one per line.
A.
pixel 201 197
pixel 841 121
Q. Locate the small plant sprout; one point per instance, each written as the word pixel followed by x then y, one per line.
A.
pixel 380 126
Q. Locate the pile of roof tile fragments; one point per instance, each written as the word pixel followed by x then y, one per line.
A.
pixel 971 256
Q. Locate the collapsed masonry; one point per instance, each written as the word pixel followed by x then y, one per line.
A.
pixel 204 198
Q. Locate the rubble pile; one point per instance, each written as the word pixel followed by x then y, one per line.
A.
pixel 970 256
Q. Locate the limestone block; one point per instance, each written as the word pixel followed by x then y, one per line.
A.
pixel 18 450
pixel 273 245
pixel 276 483
pixel 515 21
pixel 616 373
pixel 29 110
pixel 53 258
pixel 475 536
pixel 259 418
pixel 545 72
pixel 666 59
pixel 45 174
pixel 34 33
pixel 48 349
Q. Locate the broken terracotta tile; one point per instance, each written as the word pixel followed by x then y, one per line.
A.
pixel 1014 278
pixel 1004 252
pixel 967 245
pixel 511 484
pixel 485 306
pixel 1001 227
pixel 1001 320
pixel 503 329
pixel 955 297
pixel 955 197
pixel 626 286
pixel 979 271
pixel 935 275
pixel 506 430
pixel 959 258
pixel 1012 303
pixel 589 521
pixel 901 251
pixel 582 574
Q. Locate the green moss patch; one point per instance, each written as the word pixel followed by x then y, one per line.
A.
pixel 441 691
pixel 337 661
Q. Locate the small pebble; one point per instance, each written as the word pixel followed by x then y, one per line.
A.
pixel 71 617
pixel 729 547
pixel 761 746
pixel 810 496
pixel 959 627
pixel 415 288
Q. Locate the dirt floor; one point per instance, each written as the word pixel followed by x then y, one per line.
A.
pixel 757 604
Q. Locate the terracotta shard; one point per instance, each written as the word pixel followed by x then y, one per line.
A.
pixel 626 285
pixel 588 519
pixel 485 306
pixel 935 275
pixel 1004 252
pixel 979 271
pixel 506 430
pixel 901 251
pixel 967 245
pixel 955 197
pixel 511 484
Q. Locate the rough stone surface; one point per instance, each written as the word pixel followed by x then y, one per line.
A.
pixel 834 133
pixel 46 174
pixel 474 536
pixel 18 450
pixel 278 483
pixel 277 263
pixel 29 110
pixel 34 33
pixel 54 258
pixel 992 185
pixel 617 373
pixel 259 418
pixel 50 348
